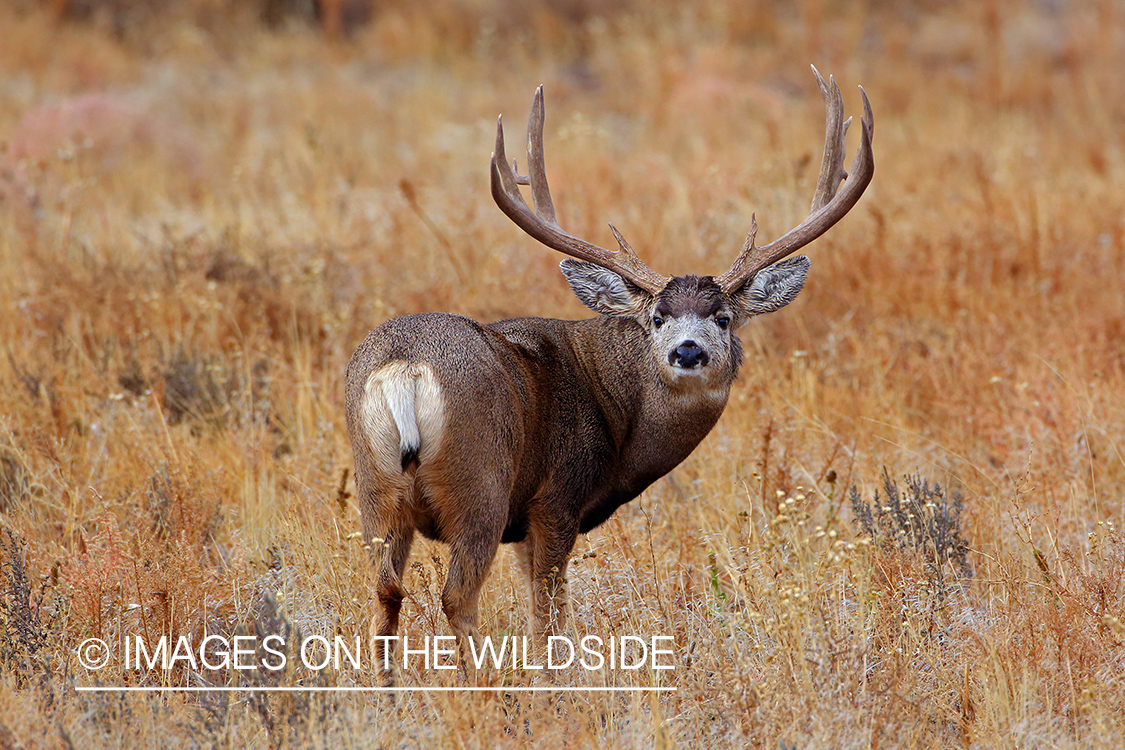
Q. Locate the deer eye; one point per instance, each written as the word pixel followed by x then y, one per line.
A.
pixel 657 321
pixel 722 321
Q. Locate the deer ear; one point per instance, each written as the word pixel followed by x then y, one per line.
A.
pixel 604 291
pixel 770 289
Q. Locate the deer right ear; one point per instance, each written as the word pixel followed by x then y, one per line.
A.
pixel 604 291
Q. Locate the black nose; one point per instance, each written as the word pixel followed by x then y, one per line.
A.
pixel 688 355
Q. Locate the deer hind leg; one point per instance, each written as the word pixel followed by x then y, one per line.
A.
pixel 389 532
pixel 390 593
pixel 468 569
pixel 472 547
pixel 544 556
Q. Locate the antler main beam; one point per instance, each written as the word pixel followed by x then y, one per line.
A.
pixel 828 205
pixel 541 223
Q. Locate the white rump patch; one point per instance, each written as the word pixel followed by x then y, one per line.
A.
pixel 403 413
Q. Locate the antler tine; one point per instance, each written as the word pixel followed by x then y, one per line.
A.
pixel 541 223
pixel 835 128
pixel 536 173
pixel 830 201
pixel 504 173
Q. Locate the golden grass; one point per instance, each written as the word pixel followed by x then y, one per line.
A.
pixel 200 219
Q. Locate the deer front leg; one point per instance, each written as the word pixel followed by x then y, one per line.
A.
pixel 544 556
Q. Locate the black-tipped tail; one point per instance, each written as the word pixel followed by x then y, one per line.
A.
pixel 409 456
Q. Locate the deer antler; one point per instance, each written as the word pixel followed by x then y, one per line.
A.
pixel 828 206
pixel 541 223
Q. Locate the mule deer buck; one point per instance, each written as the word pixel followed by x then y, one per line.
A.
pixel 532 431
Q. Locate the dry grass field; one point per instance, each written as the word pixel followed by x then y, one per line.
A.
pixel 202 214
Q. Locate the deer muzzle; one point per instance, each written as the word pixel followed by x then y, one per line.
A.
pixel 688 355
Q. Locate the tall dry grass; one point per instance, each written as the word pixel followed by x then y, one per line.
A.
pixel 201 216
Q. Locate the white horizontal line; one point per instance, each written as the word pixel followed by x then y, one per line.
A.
pixel 359 689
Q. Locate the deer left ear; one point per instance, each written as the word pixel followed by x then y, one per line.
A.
pixel 604 291
pixel 770 289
